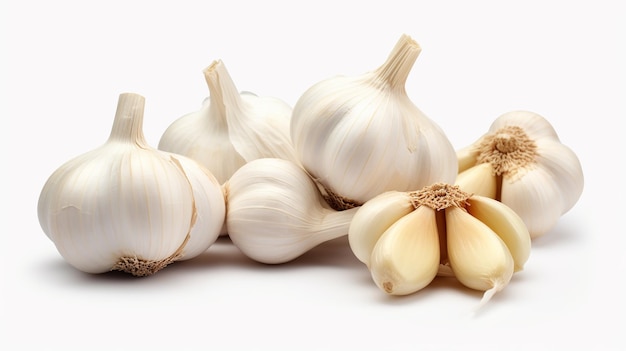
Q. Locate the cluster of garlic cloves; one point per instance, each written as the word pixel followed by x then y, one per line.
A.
pixel 127 206
pixel 521 162
pixel 407 238
pixel 361 136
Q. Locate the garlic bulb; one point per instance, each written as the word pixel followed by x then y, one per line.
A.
pixel 361 136
pixel 521 162
pixel 276 213
pixel 230 128
pixel 407 238
pixel 127 206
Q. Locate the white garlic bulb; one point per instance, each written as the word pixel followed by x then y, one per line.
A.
pixel 406 239
pixel 128 206
pixel 521 162
pixel 231 128
pixel 361 136
pixel 276 213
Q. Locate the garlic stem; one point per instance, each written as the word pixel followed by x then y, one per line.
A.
pixel 128 122
pixel 395 71
pixel 222 91
pixel 334 224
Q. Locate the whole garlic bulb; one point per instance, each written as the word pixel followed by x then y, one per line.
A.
pixel 127 206
pixel 521 162
pixel 407 238
pixel 276 213
pixel 361 136
pixel 230 128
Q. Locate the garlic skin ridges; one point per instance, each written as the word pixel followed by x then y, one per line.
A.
pixel 536 175
pixel 127 206
pixel 275 212
pixel 231 128
pixel 361 136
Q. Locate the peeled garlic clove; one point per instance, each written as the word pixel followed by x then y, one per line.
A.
pixel 362 136
pixel 373 219
pixel 479 259
pixel 539 177
pixel 127 206
pixel 275 212
pixel 479 180
pixel 506 224
pixel 231 128
pixel 406 257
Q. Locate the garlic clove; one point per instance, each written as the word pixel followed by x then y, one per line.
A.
pixel 506 224
pixel 209 207
pixel 466 158
pixel 478 257
pixel 373 219
pixel 275 212
pixel 479 180
pixel 565 170
pixel 536 198
pixel 406 257
pixel 533 124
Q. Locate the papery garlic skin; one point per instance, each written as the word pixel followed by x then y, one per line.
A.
pixel 127 206
pixel 361 136
pixel 537 176
pixel 231 128
pixel 276 213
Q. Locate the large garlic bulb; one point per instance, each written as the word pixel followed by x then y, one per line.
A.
pixel 276 213
pixel 230 128
pixel 521 162
pixel 361 136
pixel 128 206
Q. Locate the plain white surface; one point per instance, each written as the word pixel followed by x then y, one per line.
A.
pixel 64 63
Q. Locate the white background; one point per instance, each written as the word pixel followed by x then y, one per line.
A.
pixel 64 63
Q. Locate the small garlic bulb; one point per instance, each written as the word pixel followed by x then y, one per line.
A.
pixel 230 128
pixel 276 213
pixel 406 239
pixel 127 206
pixel 361 136
pixel 521 162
